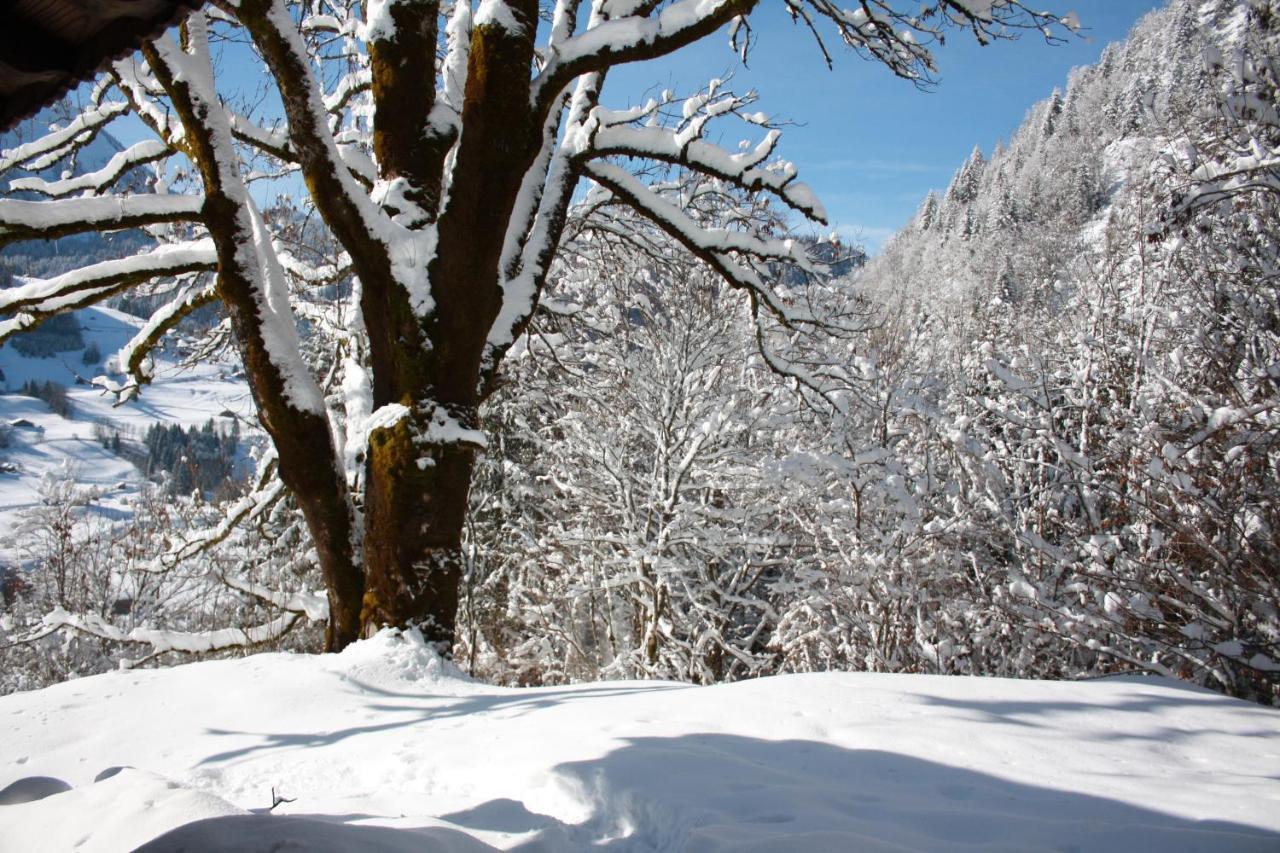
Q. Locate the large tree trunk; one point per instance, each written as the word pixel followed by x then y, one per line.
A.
pixel 415 503
pixel 331 533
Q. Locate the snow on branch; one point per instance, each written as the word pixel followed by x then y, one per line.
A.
pixel 360 80
pixel 734 255
pixel 253 266
pixel 313 605
pixel 453 72
pixel 340 198
pixel 1215 182
pixel 54 146
pixel 631 38
pixel 32 302
pixel 611 134
pixel 668 216
pixel 895 34
pixel 1242 156
pixel 160 640
pixel 133 356
pixel 144 92
pixel 147 151
pixel 718 248
pixel 167 260
pixel 310 274
pixel 899 38
pixel 563 21
pixel 43 220
pixel 792 368
pixel 268 491
pixel 273 141
pixel 537 223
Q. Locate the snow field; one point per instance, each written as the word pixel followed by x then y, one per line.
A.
pixel 385 747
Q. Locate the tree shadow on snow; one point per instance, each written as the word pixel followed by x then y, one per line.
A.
pixel 432 708
pixel 1174 695
pixel 715 792
pixel 258 833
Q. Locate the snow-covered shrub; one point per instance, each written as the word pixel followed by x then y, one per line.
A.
pixel 624 525
pixel 93 594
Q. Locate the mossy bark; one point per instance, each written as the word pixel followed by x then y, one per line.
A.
pixel 415 502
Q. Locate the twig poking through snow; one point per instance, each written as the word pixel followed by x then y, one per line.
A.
pixel 277 799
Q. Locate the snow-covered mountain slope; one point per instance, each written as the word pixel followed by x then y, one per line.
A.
pixel 385 748
pixel 44 444
pixel 1013 220
pixel 1077 311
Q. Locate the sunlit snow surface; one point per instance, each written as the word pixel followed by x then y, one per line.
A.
pixel 385 748
pixel 57 446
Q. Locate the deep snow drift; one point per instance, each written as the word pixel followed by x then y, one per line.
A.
pixel 385 748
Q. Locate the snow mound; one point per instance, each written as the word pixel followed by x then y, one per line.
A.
pixel 129 808
pixel 395 658
pixel 31 788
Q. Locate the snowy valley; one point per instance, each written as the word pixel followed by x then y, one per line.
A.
pixel 44 446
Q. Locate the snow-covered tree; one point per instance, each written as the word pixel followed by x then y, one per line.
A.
pixel 441 145
pixel 91 594
pixel 631 523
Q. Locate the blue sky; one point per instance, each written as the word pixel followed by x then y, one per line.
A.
pixel 870 144
pixel 873 145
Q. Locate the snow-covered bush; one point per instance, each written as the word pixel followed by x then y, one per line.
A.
pixel 92 594
pixel 624 525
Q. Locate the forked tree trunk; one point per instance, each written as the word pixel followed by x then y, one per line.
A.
pixel 418 476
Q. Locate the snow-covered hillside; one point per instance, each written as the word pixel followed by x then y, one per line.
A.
pixel 1077 362
pixel 385 748
pixel 44 444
